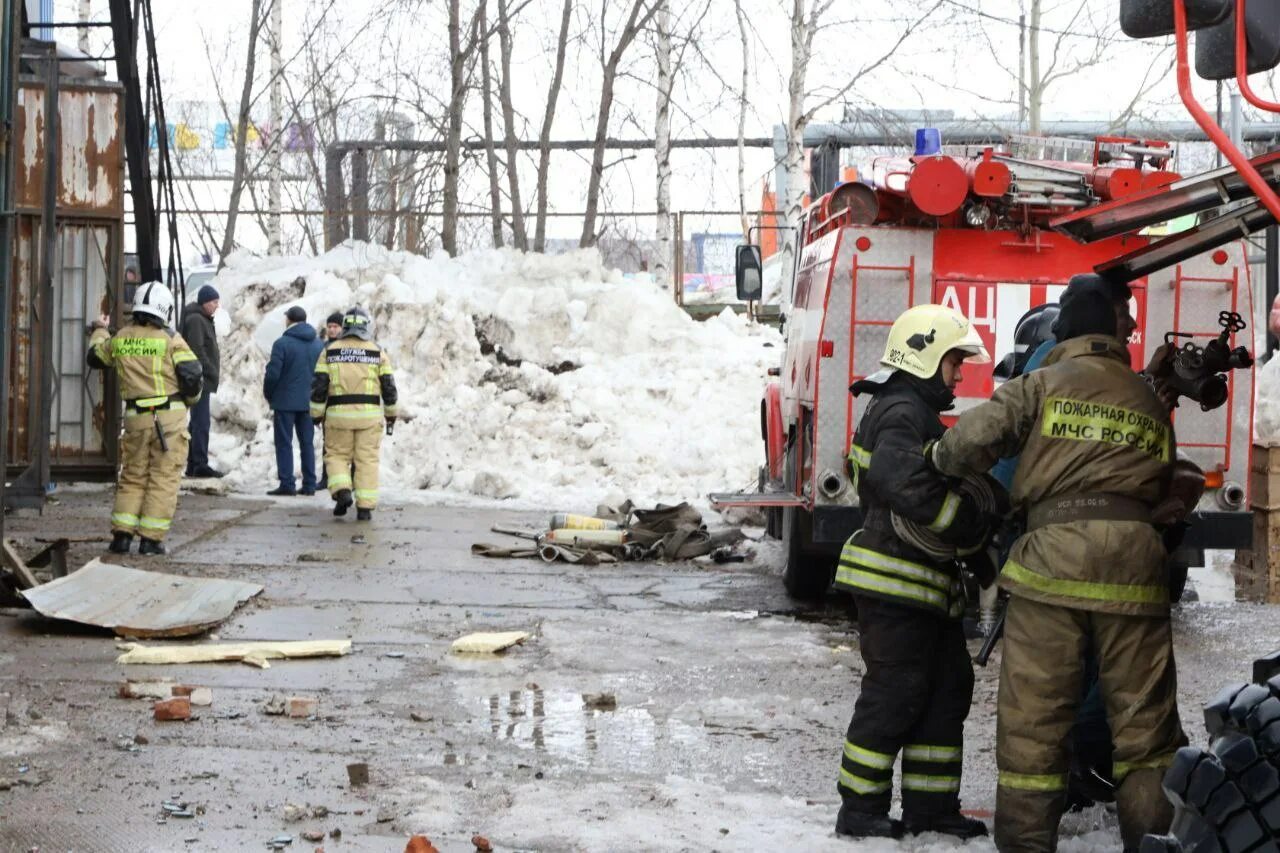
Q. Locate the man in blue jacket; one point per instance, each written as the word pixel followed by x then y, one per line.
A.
pixel 287 387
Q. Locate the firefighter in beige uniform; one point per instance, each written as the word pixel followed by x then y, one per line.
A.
pixel 1097 450
pixel 159 377
pixel 352 393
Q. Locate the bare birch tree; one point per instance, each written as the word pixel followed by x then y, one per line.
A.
pixel 742 118
pixel 518 236
pixel 1052 46
pixel 639 16
pixel 544 134
pixel 491 156
pixel 662 146
pixel 806 23
pixel 256 19
pixel 460 53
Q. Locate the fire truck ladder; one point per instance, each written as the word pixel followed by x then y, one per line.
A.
pixel 1190 195
pixel 856 322
pixel 1176 248
pixel 1241 213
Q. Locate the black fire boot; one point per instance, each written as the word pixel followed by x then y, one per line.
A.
pixel 952 823
pixel 363 514
pixel 121 542
pixel 150 547
pixel 342 501
pixel 855 824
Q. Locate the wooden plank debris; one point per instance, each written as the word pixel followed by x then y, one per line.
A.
pixel 15 564
pixel 254 654
pixel 488 643
pixel 135 603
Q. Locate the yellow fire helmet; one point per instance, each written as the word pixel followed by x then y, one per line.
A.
pixel 922 335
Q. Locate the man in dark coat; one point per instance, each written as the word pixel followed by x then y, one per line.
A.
pixel 287 387
pixel 198 331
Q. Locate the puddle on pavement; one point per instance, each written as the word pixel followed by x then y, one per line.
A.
pixel 558 723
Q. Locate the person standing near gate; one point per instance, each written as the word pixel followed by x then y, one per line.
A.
pixel 353 393
pixel 287 386
pixel 198 330
pixel 159 378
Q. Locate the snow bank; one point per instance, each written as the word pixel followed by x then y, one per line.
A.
pixel 545 379
pixel 1267 414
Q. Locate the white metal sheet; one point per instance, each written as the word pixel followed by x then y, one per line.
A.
pixel 134 603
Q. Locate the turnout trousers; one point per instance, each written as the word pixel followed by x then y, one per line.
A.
pixel 1041 676
pixel 914 698
pixel 147 490
pixel 343 447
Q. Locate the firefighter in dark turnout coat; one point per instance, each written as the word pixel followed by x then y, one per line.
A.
pixel 918 684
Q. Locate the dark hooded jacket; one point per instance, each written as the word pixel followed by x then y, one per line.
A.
pixel 197 330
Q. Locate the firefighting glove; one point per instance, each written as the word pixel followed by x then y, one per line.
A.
pixel 982 565
pixel 317 420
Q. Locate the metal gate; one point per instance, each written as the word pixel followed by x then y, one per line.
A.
pixel 63 419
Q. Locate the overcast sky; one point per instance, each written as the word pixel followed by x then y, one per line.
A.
pixel 962 58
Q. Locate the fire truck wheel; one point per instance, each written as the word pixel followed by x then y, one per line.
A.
pixel 1227 797
pixel 806 575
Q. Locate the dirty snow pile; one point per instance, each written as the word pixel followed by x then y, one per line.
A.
pixel 549 380
pixel 1267 413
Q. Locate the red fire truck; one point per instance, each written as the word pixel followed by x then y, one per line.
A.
pixel 992 233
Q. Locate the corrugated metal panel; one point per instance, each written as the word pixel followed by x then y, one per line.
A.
pixel 91 159
pixel 135 603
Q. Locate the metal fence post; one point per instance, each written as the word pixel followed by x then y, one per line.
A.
pixel 677 263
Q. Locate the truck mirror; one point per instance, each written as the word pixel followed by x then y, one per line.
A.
pixel 1216 46
pixel 747 274
pixel 1144 19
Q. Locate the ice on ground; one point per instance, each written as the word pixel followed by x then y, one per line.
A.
pixel 1215 581
pixel 549 380
pixel 676 813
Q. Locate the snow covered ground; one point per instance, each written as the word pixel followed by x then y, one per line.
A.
pixel 545 380
pixel 1267 415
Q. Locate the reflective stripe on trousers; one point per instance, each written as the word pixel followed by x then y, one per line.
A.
pixel 147 489
pixel 343 446
pixel 864 569
pixel 865 771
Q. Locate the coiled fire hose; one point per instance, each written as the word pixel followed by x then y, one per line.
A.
pixel 983 491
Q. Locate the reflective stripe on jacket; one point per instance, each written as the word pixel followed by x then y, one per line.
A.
pixel 157 370
pixel 353 386
pixel 1085 424
pixel 892 476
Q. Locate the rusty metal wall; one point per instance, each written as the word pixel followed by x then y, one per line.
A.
pixel 21 354
pixel 83 427
pixel 91 162
pixel 88 268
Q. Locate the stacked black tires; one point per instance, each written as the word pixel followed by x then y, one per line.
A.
pixel 1227 797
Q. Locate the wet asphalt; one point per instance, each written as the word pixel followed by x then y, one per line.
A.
pixel 635 674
